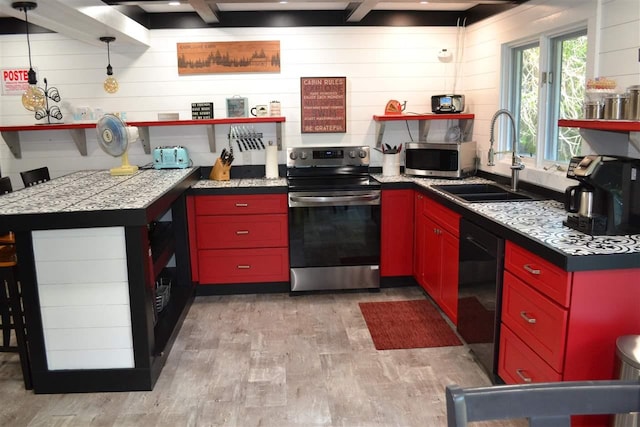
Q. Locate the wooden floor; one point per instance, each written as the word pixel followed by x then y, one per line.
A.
pixel 268 360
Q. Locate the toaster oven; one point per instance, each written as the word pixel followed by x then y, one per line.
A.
pixel 175 157
pixel 446 160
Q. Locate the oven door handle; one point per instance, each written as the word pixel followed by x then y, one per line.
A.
pixel 335 200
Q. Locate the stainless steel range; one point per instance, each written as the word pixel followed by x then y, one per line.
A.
pixel 334 219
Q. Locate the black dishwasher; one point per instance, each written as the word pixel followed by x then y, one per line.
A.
pixel 480 293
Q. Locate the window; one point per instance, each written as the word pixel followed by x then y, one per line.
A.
pixel 541 97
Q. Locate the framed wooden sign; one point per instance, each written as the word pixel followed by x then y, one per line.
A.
pixel 323 103
pixel 229 57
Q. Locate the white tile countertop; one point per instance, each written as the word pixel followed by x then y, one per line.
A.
pixel 243 182
pixel 538 220
pixel 93 190
pixel 94 198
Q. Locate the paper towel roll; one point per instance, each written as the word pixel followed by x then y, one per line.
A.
pixel 271 163
pixel 391 164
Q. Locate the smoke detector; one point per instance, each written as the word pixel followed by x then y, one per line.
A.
pixel 444 55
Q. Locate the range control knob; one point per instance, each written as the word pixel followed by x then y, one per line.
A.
pixel 293 155
pixel 362 154
pixel 303 155
pixel 352 154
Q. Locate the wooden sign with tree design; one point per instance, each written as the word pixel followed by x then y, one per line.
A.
pixel 229 57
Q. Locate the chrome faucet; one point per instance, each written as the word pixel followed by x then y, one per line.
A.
pixel 516 162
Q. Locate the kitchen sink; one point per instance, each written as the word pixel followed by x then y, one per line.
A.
pixel 484 193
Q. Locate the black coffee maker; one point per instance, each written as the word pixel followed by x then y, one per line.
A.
pixel 607 200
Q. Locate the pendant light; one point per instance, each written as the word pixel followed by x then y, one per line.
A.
pixel 33 97
pixel 110 83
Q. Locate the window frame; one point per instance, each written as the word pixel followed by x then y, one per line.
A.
pixel 547 126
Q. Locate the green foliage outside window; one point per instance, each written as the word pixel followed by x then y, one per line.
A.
pixel 570 94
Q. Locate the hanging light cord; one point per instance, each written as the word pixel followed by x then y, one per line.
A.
pixel 31 74
pixel 109 67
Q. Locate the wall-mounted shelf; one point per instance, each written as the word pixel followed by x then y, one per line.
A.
pixel 589 126
pixel 11 134
pixel 465 122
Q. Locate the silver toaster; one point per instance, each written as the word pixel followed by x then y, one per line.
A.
pixel 175 157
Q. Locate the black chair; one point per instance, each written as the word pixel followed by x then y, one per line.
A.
pixel 35 176
pixel 5 185
pixel 12 312
pixel 11 307
pixel 543 404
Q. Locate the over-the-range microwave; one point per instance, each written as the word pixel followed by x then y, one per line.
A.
pixel 446 160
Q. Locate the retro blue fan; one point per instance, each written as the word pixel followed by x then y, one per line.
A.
pixel 114 137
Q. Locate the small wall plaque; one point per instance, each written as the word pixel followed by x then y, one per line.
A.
pixel 237 107
pixel 201 110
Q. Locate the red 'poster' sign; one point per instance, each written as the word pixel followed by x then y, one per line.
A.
pixel 14 81
pixel 324 104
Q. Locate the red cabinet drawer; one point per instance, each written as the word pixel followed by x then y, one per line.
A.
pixel 540 274
pixel 518 364
pixel 445 218
pixel 538 321
pixel 243 265
pixel 241 204
pixel 242 231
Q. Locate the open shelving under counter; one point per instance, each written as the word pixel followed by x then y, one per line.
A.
pixel 465 122
pixel 11 134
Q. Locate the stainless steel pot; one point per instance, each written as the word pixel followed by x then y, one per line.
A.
pixel 593 110
pixel 616 107
pixel 634 102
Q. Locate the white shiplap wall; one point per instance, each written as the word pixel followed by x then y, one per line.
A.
pixel 613 37
pixel 380 63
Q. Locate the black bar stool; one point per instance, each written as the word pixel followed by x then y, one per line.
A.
pixel 11 306
pixel 35 176
pixel 5 185
pixel 5 188
pixel 12 311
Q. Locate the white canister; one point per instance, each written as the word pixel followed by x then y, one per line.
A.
pixel 391 164
pixel 271 162
pixel 274 109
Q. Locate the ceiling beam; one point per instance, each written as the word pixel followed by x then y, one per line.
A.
pixel 207 12
pixel 84 20
pixel 361 10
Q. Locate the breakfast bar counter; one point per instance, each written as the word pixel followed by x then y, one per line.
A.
pixel 104 270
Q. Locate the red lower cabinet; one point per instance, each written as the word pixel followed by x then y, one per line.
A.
pixel 436 253
pixel 239 239
pixel 396 245
pixel 563 326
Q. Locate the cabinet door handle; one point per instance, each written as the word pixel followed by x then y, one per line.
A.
pixel 243 267
pixel 527 318
pixel 522 376
pixel 242 205
pixel 239 232
pixel 531 270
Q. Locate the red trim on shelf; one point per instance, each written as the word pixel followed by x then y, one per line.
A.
pixel 610 125
pixel 226 120
pixel 396 117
